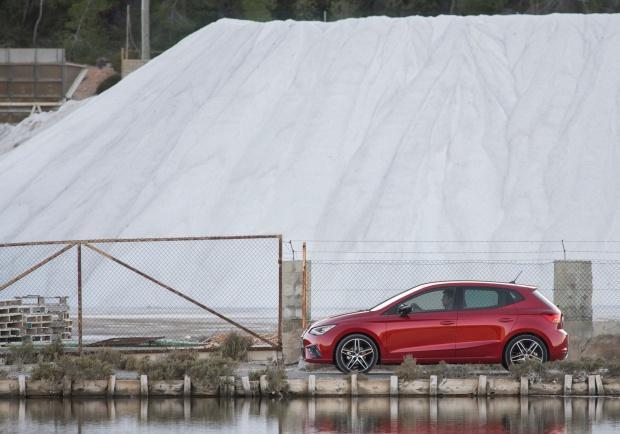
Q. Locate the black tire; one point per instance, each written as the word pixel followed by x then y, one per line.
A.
pixel 356 353
pixel 524 347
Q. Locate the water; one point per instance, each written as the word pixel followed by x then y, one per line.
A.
pixel 331 415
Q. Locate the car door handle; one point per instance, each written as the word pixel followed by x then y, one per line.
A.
pixel 446 322
pixel 506 319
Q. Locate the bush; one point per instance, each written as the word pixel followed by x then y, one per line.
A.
pixel 108 83
pixel 47 371
pixel 54 351
pixel 207 372
pixel 172 367
pixel 532 369
pixel 85 367
pixel 276 380
pixel 112 357
pixel 22 354
pixel 409 369
pixel 3 374
pixel 235 346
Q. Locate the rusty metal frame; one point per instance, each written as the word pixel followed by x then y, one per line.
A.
pixel 69 244
pixel 139 240
pixel 37 265
pixel 179 293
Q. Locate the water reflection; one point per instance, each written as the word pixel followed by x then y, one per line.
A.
pixel 371 415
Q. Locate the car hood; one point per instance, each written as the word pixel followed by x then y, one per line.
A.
pixel 337 319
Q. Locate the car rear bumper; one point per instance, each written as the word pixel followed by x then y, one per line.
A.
pixel 558 349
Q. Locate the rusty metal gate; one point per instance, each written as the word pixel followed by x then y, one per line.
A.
pixel 168 291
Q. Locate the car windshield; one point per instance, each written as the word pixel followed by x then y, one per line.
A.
pixel 391 300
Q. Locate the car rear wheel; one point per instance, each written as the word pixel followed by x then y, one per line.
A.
pixel 523 348
pixel 356 353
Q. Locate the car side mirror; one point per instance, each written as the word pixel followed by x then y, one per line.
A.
pixel 404 310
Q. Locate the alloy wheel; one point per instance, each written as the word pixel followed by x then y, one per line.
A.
pixel 526 349
pixel 357 354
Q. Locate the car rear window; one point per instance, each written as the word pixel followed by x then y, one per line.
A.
pixel 484 298
pixel 479 298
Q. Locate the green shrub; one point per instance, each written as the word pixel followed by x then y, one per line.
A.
pixel 276 380
pixel 173 366
pixel 47 371
pixel 207 372
pixel 235 346
pixel 108 83
pixel 112 357
pixel 532 369
pixel 54 351
pixel 85 367
pixel 255 375
pixel 408 370
pixel 22 354
pixel 3 374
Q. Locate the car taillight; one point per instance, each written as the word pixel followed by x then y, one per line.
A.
pixel 555 318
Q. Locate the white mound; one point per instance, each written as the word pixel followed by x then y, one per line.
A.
pixel 455 128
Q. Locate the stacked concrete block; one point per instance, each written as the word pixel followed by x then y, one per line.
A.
pixel 34 319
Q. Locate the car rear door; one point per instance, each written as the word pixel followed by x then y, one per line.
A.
pixel 485 316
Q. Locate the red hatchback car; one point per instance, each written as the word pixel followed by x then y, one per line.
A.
pixel 457 322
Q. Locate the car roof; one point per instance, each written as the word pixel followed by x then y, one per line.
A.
pixel 447 283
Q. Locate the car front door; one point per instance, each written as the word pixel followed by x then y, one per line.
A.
pixel 427 332
pixel 485 317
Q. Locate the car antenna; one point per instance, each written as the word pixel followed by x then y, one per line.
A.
pixel 515 279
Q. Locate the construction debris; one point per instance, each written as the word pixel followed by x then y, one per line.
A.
pixel 34 319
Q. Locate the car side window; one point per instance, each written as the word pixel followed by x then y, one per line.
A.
pixel 481 298
pixel 429 301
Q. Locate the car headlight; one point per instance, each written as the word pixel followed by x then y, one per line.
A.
pixel 321 330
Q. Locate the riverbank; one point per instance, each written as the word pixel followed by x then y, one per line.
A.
pixel 312 386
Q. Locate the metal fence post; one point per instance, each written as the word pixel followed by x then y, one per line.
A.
pixel 280 291
pixel 79 289
pixel 304 290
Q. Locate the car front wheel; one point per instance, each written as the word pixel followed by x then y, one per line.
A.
pixel 356 353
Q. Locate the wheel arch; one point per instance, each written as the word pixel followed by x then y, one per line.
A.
pixel 525 333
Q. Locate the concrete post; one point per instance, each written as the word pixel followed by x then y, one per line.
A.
pixel 292 302
pixel 572 283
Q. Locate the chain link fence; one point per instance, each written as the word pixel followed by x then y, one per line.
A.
pixel 345 286
pixel 163 292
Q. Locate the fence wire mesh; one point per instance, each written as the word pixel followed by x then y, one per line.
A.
pixel 179 291
pixel 344 286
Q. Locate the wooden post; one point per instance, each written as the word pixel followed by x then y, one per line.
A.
pixel 187 386
pixel 393 385
pixel 600 391
pixel 432 390
pixel 79 289
pixel 311 385
pixel 591 385
pixel 524 386
pixel 144 385
pixel 21 381
pixel 568 384
pixel 246 386
pixel 482 385
pixel 264 385
pixel 354 385
pixel 111 385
